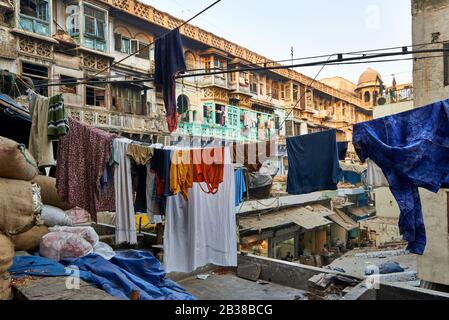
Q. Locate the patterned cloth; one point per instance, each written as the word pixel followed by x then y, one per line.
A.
pixel 140 154
pixel 58 123
pixel 82 156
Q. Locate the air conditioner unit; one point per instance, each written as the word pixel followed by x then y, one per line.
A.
pixel 381 101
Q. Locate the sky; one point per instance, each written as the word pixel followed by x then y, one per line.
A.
pixel 317 27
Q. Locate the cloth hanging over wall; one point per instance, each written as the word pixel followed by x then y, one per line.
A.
pixel 40 147
pixel 58 122
pixel 202 230
pixel 412 150
pixel 312 163
pixel 240 186
pixel 170 60
pixel 139 181
pixel 125 217
pixel 342 150
pixel 82 157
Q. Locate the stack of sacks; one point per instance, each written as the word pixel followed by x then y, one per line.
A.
pixel 20 199
pixel 6 258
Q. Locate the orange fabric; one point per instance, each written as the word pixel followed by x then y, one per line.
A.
pixel 181 173
pixel 208 167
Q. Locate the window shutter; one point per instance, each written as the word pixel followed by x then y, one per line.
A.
pixel 118 41
pixel 134 46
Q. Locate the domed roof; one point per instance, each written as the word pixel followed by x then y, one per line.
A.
pixel 370 75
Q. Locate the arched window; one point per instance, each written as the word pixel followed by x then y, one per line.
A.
pixel 367 96
pixel 190 61
pixel 183 104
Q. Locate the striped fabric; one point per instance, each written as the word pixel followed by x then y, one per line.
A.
pixel 58 124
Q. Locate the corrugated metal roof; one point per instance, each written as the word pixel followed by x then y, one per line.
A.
pixel 362 211
pixel 309 217
pixel 343 220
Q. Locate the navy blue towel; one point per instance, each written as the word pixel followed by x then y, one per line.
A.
pixel 342 150
pixel 170 60
pixel 412 149
pixel 312 163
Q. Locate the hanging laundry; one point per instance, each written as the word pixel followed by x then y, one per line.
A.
pixel 411 148
pixel 342 150
pixel 252 156
pixel 181 173
pixel 312 163
pixel 240 186
pixel 153 208
pixel 160 165
pixel 140 154
pixel 170 60
pixel 58 122
pixel 209 168
pixel 40 147
pixel 375 178
pixel 139 182
pixel 203 230
pixel 125 216
pixel 82 157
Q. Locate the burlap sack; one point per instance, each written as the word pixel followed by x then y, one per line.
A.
pixel 6 294
pixel 15 161
pixel 5 281
pixel 6 253
pixel 29 240
pixel 19 205
pixel 49 192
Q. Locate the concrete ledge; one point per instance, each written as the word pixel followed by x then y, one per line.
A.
pixel 286 273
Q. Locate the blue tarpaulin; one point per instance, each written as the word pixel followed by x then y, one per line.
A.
pixel 412 149
pixel 128 271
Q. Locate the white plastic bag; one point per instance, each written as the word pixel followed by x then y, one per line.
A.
pixel 88 233
pixel 52 216
pixel 104 250
pixel 64 245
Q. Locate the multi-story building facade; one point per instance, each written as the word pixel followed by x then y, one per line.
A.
pixel 54 41
pixel 431 84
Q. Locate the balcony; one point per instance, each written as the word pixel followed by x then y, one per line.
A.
pixel 396 96
pixel 215 80
pixel 34 25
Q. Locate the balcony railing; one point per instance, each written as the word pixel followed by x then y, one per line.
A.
pixel 396 96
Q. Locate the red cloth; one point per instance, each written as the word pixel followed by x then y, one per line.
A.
pixel 82 157
pixel 208 167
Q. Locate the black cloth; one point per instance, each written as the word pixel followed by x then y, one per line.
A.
pixel 139 181
pixel 170 60
pixel 342 150
pixel 312 163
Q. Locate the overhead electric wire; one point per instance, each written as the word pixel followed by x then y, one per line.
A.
pixel 148 45
pixel 334 62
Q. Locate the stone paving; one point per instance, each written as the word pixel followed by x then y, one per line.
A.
pixel 230 287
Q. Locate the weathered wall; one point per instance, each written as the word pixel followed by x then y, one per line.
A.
pixel 429 18
pixel 393 108
pixel 433 266
pixel 386 205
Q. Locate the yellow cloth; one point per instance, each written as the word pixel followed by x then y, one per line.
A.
pixel 140 154
pixel 181 173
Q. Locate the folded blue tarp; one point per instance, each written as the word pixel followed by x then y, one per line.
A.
pixel 412 149
pixel 128 271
